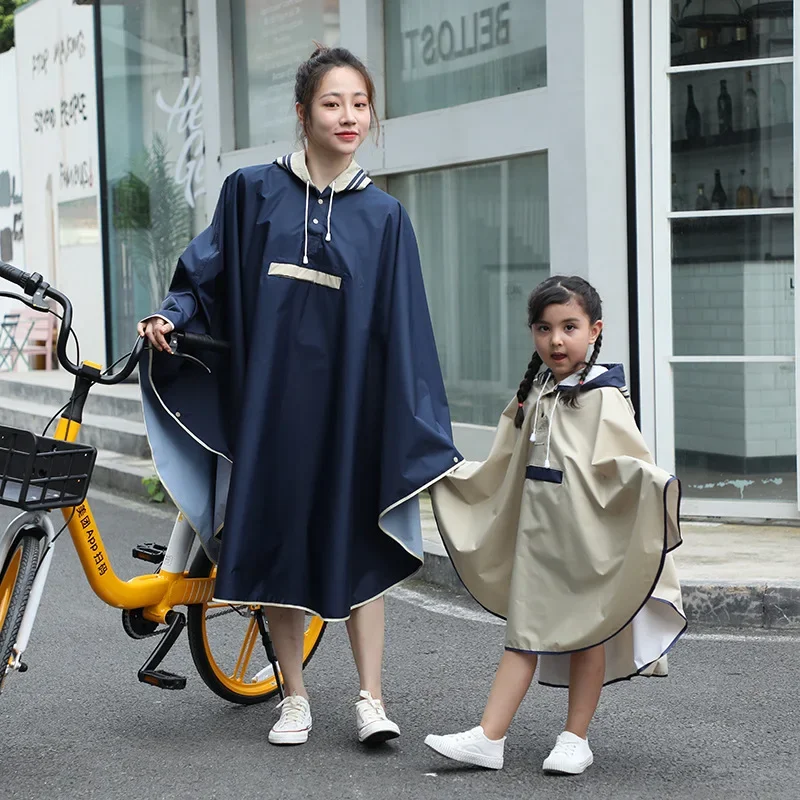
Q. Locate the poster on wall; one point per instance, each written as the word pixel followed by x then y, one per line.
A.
pixel 12 240
pixel 58 156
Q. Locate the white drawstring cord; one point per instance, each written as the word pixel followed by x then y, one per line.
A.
pixel 330 206
pixel 550 431
pixel 305 246
pixel 536 411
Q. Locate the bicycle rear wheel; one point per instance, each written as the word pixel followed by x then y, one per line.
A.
pixel 16 580
pixel 226 645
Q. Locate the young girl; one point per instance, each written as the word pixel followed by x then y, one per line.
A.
pixel 312 440
pixel 565 531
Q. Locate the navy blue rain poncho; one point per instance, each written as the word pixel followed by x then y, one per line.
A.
pixel 299 459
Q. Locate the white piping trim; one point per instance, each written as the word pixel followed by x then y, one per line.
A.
pixel 155 466
pixel 405 499
pixel 163 405
pixel 375 597
pixel 311 610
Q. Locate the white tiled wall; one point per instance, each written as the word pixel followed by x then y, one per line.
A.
pixel 734 309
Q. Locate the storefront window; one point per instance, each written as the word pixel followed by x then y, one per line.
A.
pixel 483 233
pixel 730 30
pixel 733 256
pixel 154 150
pixel 444 54
pixel 270 40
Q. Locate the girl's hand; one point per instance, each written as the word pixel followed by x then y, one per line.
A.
pixel 156 329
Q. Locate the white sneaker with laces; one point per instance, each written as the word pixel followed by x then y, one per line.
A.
pixel 374 727
pixel 295 721
pixel 570 756
pixel 470 747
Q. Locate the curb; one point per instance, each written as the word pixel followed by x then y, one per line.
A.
pixel 720 604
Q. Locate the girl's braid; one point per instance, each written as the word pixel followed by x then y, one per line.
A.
pixel 570 397
pixel 534 365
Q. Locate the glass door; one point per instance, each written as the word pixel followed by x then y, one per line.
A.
pixel 725 272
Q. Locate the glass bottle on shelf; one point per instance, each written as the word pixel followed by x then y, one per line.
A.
pixel 724 109
pixel 678 202
pixel 744 194
pixel 718 197
pixel 750 105
pixel 766 198
pixel 701 202
pixel 779 112
pixel 693 122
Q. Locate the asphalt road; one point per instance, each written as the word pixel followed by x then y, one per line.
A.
pixel 725 724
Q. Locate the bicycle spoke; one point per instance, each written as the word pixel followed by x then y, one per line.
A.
pixel 250 639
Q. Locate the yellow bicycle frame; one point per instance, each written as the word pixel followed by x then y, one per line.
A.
pixel 156 594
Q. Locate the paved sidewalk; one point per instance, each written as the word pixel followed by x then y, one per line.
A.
pixel 746 575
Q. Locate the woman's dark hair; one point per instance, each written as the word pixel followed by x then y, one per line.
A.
pixel 560 289
pixel 310 74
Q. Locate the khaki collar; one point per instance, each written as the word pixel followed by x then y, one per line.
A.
pixel 354 178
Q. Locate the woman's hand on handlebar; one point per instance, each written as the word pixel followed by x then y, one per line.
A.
pixel 155 330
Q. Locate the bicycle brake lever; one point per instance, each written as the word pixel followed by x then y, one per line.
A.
pixel 173 344
pixel 39 301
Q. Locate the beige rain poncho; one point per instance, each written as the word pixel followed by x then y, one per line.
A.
pixel 568 536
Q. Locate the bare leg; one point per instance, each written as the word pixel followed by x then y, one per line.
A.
pixel 366 630
pixel 512 681
pixel 586 673
pixel 287 628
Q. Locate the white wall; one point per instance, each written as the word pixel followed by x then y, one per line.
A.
pixel 11 221
pixel 58 151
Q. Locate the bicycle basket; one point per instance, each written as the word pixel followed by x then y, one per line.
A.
pixel 37 472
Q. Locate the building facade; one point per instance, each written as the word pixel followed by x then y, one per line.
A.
pixel 57 133
pixel 648 146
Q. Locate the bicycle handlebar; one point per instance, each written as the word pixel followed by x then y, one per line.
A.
pixel 19 277
pixel 201 341
pixel 34 284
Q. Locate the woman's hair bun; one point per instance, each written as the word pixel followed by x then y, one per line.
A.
pixel 320 49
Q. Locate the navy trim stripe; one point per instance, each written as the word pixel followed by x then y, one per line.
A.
pixel 544 474
pixel 358 176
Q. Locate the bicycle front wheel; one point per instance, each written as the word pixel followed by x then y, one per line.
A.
pixel 16 580
pixel 226 645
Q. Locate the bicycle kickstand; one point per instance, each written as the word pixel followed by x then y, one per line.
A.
pixel 267 642
pixel 158 677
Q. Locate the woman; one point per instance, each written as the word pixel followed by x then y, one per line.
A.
pixel 329 416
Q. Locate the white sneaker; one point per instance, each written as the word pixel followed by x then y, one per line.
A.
pixel 295 721
pixel 570 756
pixel 470 747
pixel 374 727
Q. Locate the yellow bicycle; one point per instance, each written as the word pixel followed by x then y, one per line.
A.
pixel 40 474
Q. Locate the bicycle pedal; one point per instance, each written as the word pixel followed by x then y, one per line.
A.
pixel 161 679
pixel 150 552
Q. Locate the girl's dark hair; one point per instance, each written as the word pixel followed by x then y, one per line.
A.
pixel 560 289
pixel 310 74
